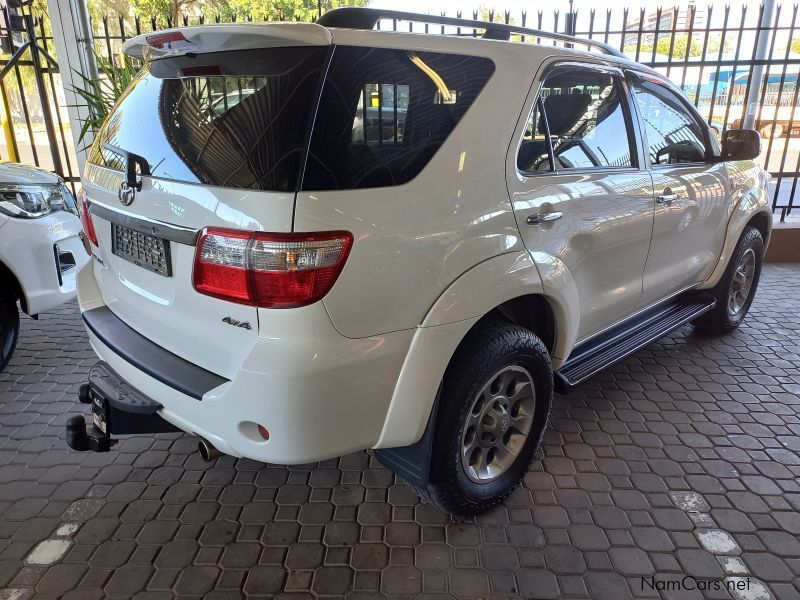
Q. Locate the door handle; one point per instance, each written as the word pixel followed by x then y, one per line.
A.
pixel 668 197
pixel 537 219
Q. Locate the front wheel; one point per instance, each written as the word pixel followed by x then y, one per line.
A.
pixel 735 291
pixel 494 408
pixel 9 329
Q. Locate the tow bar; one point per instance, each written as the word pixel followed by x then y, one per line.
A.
pixel 117 408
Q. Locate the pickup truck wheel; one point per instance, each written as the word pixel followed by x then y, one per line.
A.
pixel 494 408
pixel 737 287
pixel 9 329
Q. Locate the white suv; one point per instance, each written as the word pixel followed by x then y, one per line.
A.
pixel 312 239
pixel 40 248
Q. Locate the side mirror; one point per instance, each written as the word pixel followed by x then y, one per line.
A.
pixel 740 144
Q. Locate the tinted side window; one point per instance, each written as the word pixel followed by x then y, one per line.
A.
pixel 673 135
pixel 584 114
pixel 384 113
pixel 534 150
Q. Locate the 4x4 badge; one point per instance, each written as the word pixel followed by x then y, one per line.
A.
pixel 235 323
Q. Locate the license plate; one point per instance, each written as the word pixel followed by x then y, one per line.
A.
pixel 99 422
pixel 98 412
pixel 144 250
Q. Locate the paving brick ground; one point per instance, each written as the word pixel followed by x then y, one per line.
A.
pixel 682 460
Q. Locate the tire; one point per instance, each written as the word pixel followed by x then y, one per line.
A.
pixel 495 354
pixel 9 329
pixel 732 308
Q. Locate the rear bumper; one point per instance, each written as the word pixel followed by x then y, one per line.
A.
pixel 319 394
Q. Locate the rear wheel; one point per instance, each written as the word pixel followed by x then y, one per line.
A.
pixel 9 329
pixel 492 416
pixel 735 291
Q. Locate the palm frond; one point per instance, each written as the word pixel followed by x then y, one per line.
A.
pixel 99 95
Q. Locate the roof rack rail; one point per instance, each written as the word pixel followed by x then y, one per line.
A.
pixel 366 18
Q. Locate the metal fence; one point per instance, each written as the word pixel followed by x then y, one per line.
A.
pixel 711 53
pixel 33 116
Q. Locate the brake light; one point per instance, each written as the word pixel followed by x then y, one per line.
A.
pixel 171 40
pixel 86 219
pixel 271 270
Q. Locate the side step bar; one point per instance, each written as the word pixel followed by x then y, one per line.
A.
pixel 595 355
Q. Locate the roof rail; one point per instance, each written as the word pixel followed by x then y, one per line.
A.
pixel 366 18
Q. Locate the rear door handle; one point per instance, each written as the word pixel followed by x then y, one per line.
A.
pixel 543 218
pixel 668 197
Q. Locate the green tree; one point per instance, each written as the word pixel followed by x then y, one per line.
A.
pixel 795 46
pixel 679 46
pixel 271 10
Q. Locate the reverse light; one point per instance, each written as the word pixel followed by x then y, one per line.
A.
pixel 86 220
pixel 270 270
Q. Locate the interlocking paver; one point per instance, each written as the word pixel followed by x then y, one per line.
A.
pixel 688 435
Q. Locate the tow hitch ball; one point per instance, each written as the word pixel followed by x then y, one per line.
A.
pixel 79 437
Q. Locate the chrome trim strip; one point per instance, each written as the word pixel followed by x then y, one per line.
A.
pixel 159 229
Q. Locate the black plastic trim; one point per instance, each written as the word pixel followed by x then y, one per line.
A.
pixel 413 463
pixel 159 363
pixel 352 17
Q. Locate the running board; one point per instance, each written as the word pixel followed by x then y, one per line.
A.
pixel 598 353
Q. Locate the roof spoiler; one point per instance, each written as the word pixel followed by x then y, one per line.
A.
pixel 224 37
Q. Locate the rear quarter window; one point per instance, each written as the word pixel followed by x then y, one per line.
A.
pixel 384 113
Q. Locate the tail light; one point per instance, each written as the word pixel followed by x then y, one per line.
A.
pixel 86 219
pixel 275 270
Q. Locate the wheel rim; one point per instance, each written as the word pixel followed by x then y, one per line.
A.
pixel 498 424
pixel 742 283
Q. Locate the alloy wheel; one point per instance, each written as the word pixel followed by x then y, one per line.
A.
pixel 498 424
pixel 742 283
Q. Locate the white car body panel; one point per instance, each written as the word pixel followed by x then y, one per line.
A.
pixel 361 368
pixel 318 393
pixel 748 199
pixel 453 215
pixel 27 245
pixel 687 235
pixel 156 305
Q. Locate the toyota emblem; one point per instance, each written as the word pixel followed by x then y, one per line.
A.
pixel 126 193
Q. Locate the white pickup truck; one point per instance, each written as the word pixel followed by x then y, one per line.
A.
pixel 40 247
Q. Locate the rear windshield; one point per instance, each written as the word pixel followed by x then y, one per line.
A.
pixel 233 119
pixel 241 119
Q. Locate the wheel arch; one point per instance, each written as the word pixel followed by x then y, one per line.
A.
pixel 9 281
pixel 508 285
pixel 763 222
pixel 752 208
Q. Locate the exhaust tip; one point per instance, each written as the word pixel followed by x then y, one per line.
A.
pixel 207 451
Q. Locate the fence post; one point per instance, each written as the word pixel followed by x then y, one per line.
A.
pixel 757 72
pixel 72 35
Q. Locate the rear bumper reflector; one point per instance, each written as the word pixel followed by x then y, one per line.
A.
pixel 159 363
